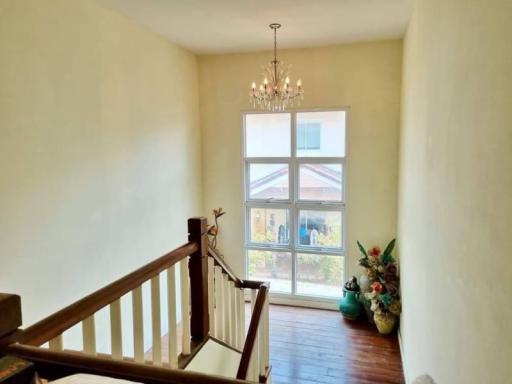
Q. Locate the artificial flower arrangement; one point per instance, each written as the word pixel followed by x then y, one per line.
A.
pixel 382 273
pixel 213 230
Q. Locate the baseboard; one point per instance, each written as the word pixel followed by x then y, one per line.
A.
pixel 298 301
pixel 402 357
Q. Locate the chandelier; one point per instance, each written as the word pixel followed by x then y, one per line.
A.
pixel 276 93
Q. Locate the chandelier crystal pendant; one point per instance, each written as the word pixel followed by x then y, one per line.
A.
pixel 276 93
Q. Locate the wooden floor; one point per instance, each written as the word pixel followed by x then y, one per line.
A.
pixel 319 347
pixel 316 346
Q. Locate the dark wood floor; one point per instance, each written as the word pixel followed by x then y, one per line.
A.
pixel 319 347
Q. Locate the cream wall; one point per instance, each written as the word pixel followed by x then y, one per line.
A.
pixel 99 149
pixel 366 77
pixel 455 211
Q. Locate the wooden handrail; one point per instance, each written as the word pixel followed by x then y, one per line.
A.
pixel 253 331
pixel 225 267
pixel 67 317
pixel 53 365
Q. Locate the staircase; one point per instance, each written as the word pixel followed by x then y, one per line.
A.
pixel 199 294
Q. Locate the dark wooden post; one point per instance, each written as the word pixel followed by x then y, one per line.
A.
pixel 198 271
pixel 10 318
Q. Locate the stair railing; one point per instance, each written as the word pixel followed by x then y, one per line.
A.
pixel 227 317
pixel 212 305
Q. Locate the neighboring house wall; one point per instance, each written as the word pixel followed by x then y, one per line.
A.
pixel 455 214
pixel 364 76
pixel 99 150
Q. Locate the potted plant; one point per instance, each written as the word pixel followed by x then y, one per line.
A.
pixel 384 294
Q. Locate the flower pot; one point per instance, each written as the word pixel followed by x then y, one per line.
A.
pixel 350 307
pixel 385 322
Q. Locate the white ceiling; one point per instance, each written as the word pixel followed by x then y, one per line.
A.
pixel 221 26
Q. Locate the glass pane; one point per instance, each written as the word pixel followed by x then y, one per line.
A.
pixel 275 267
pixel 319 275
pixel 268 181
pixel 320 228
pixel 320 182
pixel 269 226
pixel 321 134
pixel 268 135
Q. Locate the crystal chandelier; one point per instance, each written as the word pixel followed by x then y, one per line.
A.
pixel 276 93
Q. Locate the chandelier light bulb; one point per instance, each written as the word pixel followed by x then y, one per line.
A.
pixel 275 94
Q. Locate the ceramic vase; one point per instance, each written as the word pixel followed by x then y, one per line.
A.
pixel 364 283
pixel 385 322
pixel 350 307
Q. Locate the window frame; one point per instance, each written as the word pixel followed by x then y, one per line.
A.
pixel 294 204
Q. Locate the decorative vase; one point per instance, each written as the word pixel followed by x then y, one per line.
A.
pixel 385 322
pixel 364 283
pixel 350 307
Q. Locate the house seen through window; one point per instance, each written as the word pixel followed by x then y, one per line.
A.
pixel 294 201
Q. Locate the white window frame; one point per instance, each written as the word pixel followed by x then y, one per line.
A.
pixel 294 205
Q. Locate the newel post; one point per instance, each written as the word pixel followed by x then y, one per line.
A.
pixel 10 318
pixel 198 271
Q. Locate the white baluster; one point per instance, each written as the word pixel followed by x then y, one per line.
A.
pixel 227 308
pixel 185 305
pixel 156 321
pixel 171 316
pixel 266 322
pixel 56 344
pixel 232 312
pixel 211 295
pixel 219 303
pixel 89 335
pixel 138 325
pixel 241 319
pixel 116 336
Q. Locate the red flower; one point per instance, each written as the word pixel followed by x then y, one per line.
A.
pixel 377 287
pixel 374 251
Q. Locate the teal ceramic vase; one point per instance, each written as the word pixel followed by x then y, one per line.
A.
pixel 350 306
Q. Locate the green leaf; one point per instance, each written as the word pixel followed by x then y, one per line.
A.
pixel 389 248
pixel 361 248
pixel 387 258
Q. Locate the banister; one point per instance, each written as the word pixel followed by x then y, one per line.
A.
pixel 55 324
pixel 225 267
pixel 253 330
pixel 53 365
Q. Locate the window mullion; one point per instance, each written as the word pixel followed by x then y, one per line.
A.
pixel 293 197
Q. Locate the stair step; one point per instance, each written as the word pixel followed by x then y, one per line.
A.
pixel 215 358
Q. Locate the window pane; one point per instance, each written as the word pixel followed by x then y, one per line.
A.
pixel 269 226
pixel 268 181
pixel 320 228
pixel 320 182
pixel 308 136
pixel 321 134
pixel 319 275
pixel 268 135
pixel 275 267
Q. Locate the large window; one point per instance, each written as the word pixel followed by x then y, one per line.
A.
pixel 294 180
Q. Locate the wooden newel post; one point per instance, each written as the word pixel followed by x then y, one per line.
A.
pixel 198 271
pixel 10 318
